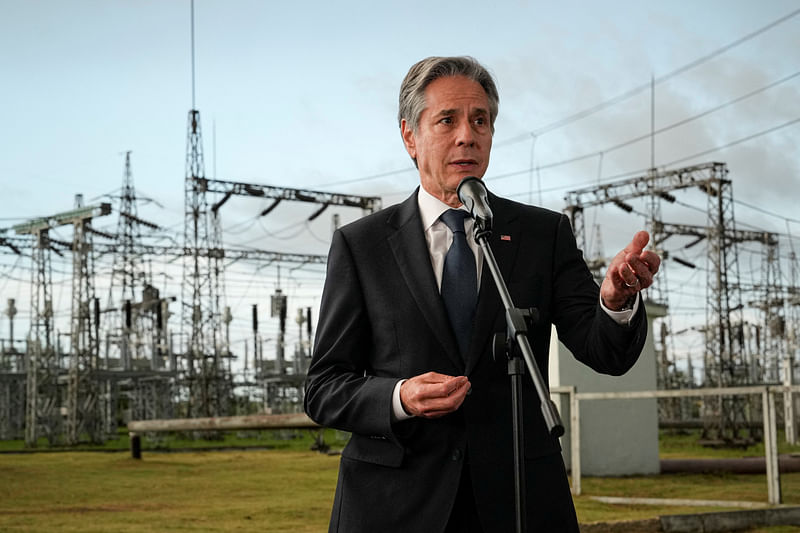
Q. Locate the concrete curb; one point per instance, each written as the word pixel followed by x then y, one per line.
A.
pixel 653 525
pixel 723 522
pixel 718 522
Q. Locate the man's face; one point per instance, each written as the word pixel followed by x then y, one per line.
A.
pixel 453 137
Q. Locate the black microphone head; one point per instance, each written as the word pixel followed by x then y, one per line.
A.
pixel 467 188
pixel 473 194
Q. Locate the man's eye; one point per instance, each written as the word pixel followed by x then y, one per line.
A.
pixel 480 121
pixel 446 120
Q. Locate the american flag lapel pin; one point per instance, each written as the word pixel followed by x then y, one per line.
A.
pixel 505 238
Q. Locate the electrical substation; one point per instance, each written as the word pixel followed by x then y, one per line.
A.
pixel 136 352
pixel 144 331
pixel 749 334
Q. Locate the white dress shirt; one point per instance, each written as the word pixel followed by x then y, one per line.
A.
pixel 439 238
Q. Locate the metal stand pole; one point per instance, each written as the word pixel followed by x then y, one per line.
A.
pixel 516 336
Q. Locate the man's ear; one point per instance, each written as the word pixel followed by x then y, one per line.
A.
pixel 408 139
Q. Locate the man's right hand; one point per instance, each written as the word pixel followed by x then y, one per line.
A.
pixel 433 395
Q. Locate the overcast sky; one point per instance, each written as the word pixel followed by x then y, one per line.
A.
pixel 304 95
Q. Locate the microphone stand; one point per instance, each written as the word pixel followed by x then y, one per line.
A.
pixel 517 322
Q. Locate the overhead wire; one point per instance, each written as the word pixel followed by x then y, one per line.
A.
pixel 601 152
pixel 602 105
pixel 598 107
pixel 657 80
pixel 734 143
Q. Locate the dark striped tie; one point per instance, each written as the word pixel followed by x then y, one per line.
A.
pixel 459 280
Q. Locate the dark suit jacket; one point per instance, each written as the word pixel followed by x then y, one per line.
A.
pixel 382 319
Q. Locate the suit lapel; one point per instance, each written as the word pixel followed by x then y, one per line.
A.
pixel 412 257
pixel 504 242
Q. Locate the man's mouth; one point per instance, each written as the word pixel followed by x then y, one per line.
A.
pixel 464 163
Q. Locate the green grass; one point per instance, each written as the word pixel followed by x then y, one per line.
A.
pixel 263 490
pixel 193 491
pixel 684 444
pixel 282 488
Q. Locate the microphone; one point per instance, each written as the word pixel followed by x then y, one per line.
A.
pixel 473 194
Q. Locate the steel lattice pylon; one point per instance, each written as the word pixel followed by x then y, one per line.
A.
pixel 724 353
pixel 42 399
pixel 83 407
pixel 130 276
pixel 725 363
pixel 203 371
pixel 136 332
pixel 43 393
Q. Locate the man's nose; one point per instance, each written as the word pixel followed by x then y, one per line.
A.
pixel 465 136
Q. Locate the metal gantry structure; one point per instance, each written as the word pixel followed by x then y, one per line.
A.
pixel 121 360
pixel 42 389
pixel 204 372
pixel 209 385
pixel 728 359
pixel 137 370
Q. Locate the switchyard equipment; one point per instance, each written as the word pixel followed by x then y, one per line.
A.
pixel 42 388
pixel 209 386
pixel 192 380
pixel 727 362
pixel 137 368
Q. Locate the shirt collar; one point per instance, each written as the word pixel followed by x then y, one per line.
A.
pixel 430 208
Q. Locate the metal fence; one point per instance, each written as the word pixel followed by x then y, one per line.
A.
pixel 298 421
pixel 767 393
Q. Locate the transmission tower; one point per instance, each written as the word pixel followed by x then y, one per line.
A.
pixel 42 401
pixel 725 364
pixel 724 352
pixel 137 327
pixel 201 313
pixel 129 276
pixel 84 413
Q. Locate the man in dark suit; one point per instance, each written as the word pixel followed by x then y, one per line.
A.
pixel 408 369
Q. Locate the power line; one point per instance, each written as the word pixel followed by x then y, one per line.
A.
pixel 646 86
pixel 602 105
pixel 368 178
pixel 613 178
pixel 734 143
pixel 766 212
pixel 600 153
pixel 698 116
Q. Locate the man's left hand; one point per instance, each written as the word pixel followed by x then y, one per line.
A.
pixel 630 271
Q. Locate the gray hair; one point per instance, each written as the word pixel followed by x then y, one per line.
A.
pixel 412 90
